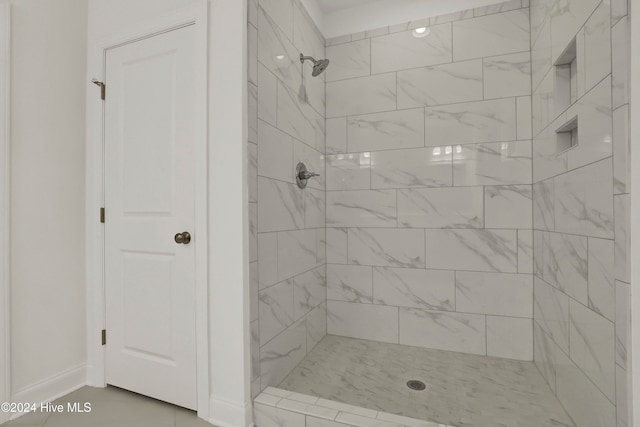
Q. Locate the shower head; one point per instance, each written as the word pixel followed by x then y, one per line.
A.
pixel 318 65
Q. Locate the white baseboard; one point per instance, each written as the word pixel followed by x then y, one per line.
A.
pixel 229 414
pixel 52 388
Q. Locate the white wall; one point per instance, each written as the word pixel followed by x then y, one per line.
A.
pixel 47 193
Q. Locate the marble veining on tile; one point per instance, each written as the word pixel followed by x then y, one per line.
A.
pixel 462 390
pixel 475 250
pixel 416 167
pixel 471 122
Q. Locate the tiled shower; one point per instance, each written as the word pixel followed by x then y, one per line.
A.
pixel 473 195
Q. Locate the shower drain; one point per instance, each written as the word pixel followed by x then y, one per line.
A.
pixel 416 385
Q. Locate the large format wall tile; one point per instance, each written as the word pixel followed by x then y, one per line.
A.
pixel 451 207
pixel 583 401
pixel 551 311
pixel 267 95
pixel 497 8
pixel 365 208
pixel 280 355
pixel 622 243
pixel 353 283
pixel 286 125
pixel 592 341
pixel 296 252
pixel 276 310
pixel 267 259
pixel 543 208
pixel 566 21
pixel 475 250
pixel 510 338
pixel 440 84
pixel 298 119
pixel 494 293
pixel 417 288
pixel 443 331
pixel 525 251
pixel 524 119
pixel 309 291
pixel 366 321
pixel 601 277
pixel 562 261
pixel 306 37
pixel 348 171
pixel 597 43
pixel 582 200
pixel 621 150
pixel 420 167
pixel 336 135
pixel 623 323
pixel 507 75
pixel 316 325
pixel 491 35
pixel 620 63
pixel 496 163
pixel 337 245
pixel 275 151
pixel 508 206
pixel 472 122
pixel 386 247
pixel 544 355
pixel 314 208
pixel 383 131
pixel 275 50
pixel 401 51
pixel 280 206
pixel 595 127
pixel 362 95
pixel 349 60
pixel 281 11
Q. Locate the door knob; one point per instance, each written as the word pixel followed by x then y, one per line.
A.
pixel 182 238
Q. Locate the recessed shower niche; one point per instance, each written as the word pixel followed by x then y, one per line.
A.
pixel 566 94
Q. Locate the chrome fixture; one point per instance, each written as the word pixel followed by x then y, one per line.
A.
pixel 318 65
pixel 303 175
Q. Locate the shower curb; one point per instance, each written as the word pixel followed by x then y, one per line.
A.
pixel 278 407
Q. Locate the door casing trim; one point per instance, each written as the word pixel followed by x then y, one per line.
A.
pixel 5 198
pixel 196 15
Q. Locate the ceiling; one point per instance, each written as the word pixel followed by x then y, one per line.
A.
pixel 330 6
pixel 339 17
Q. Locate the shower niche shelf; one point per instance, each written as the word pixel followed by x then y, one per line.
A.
pixel 567 135
pixel 565 95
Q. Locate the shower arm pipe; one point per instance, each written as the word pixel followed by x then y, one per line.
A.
pixel 305 58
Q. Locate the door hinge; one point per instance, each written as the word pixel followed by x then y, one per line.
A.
pixel 104 337
pixel 102 215
pixel 103 88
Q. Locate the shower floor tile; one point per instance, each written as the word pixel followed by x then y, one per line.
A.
pixel 462 390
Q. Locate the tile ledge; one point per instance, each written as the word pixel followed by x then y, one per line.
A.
pixel 267 398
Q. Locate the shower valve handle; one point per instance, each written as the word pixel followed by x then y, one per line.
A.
pixel 306 174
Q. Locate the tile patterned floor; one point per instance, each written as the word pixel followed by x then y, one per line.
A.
pixel 462 390
pixel 113 407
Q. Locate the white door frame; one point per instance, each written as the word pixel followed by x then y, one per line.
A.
pixel 196 15
pixel 633 364
pixel 5 161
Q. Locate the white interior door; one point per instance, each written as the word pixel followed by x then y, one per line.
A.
pixel 149 198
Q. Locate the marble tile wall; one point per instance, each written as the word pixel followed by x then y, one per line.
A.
pixel 287 224
pixel 429 184
pixel 580 209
